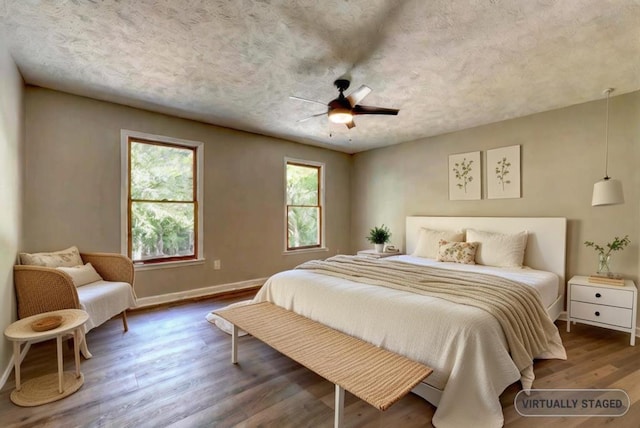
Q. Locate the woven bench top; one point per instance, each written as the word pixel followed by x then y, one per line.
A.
pixel 373 374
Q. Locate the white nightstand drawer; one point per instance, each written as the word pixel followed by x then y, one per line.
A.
pixel 602 296
pixel 601 314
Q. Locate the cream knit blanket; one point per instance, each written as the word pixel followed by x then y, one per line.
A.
pixel 529 331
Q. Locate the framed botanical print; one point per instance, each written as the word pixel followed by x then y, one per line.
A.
pixel 464 176
pixel 503 172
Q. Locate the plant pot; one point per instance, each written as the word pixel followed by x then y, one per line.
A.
pixel 379 248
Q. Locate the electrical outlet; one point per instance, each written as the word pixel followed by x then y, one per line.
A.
pixel 216 265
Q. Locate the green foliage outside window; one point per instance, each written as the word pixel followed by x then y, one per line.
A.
pixel 162 201
pixel 303 206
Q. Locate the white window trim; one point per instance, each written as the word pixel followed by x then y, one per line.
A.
pixel 323 217
pixel 125 134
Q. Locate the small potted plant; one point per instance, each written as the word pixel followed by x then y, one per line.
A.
pixel 604 253
pixel 379 236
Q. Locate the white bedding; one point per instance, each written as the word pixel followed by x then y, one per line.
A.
pixel 464 345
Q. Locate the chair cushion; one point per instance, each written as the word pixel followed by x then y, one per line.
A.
pixel 81 275
pixel 66 258
pixel 103 300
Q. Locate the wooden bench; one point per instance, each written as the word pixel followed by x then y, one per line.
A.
pixel 373 374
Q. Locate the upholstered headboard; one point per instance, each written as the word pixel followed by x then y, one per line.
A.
pixel 546 242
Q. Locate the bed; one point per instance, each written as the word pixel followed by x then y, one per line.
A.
pixel 465 345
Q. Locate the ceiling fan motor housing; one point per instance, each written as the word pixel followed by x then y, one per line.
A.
pixel 342 84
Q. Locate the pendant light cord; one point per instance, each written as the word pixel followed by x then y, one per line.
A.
pixel 606 139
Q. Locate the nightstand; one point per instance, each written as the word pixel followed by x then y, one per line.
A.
pixel 609 306
pixel 374 255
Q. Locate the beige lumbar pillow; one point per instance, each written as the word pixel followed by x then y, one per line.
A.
pixel 69 258
pixel 81 275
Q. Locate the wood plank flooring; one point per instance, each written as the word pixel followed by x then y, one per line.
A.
pixel 173 369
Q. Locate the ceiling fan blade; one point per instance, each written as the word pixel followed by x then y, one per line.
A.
pixel 311 117
pixel 374 110
pixel 351 124
pixel 306 100
pixel 358 95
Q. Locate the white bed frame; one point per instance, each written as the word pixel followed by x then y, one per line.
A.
pixel 546 250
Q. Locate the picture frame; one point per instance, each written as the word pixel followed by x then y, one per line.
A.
pixel 503 173
pixel 465 178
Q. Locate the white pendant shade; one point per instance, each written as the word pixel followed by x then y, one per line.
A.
pixel 607 191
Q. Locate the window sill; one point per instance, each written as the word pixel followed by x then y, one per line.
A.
pixel 306 250
pixel 168 265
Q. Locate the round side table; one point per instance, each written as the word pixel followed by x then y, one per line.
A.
pixel 45 389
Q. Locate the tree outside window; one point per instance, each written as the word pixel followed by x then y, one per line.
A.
pixel 304 205
pixel 162 203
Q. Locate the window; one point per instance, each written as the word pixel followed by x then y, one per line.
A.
pixel 163 198
pixel 304 199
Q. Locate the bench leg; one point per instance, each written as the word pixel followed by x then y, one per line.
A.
pixel 234 344
pixel 339 414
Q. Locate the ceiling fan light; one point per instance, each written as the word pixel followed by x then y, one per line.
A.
pixel 607 191
pixel 340 115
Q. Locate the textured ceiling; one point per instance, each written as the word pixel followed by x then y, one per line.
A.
pixel 447 65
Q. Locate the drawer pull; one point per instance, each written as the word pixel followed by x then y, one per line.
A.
pixel 597 313
pixel 598 295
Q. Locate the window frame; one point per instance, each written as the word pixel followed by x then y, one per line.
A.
pixel 321 206
pixel 128 136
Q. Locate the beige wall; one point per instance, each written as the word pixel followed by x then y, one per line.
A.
pixel 72 184
pixel 11 132
pixel 562 154
pixel 72 189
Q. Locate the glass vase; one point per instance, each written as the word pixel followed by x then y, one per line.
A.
pixel 604 263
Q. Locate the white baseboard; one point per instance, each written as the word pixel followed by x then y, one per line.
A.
pixel 199 292
pixel 9 369
pixel 7 373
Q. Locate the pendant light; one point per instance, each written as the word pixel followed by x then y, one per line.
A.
pixel 607 191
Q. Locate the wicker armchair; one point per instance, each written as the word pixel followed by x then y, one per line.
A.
pixel 42 289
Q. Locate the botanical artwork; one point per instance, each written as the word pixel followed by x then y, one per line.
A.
pixel 464 176
pixel 503 172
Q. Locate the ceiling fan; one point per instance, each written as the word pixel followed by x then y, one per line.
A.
pixel 343 109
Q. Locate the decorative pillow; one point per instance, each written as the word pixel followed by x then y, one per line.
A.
pixel 457 252
pixel 497 249
pixel 69 258
pixel 429 241
pixel 82 275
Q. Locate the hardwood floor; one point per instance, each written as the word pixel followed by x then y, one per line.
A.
pixel 173 369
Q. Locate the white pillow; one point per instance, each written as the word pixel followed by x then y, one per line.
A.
pixel 498 249
pixel 82 275
pixel 69 257
pixel 429 241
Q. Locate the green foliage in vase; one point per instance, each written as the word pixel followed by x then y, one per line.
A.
pixel 616 245
pixel 379 235
pixel 463 173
